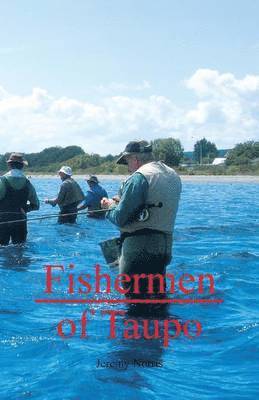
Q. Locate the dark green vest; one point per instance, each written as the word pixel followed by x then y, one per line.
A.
pixel 14 199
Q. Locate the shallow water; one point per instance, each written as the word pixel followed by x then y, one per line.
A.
pixel 216 232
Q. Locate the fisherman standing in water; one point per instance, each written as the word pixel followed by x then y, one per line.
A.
pixel 93 198
pixel 17 197
pixel 69 196
pixel 146 212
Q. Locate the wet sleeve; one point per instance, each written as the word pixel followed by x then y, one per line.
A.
pixel 2 189
pixel 134 195
pixel 88 199
pixel 33 199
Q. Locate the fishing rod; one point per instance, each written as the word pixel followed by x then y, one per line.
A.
pixel 144 214
pixel 48 216
pixel 10 212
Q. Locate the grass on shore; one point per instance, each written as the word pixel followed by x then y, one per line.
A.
pixel 110 168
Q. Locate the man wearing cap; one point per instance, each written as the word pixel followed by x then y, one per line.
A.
pixel 93 198
pixel 68 198
pixel 17 197
pixel 146 212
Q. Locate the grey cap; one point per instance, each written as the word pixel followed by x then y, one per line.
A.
pixel 134 147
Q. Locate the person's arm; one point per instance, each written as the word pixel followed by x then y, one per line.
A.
pixel 33 200
pixel 2 189
pixel 81 207
pixel 60 197
pixel 52 202
pixel 133 198
pixel 87 201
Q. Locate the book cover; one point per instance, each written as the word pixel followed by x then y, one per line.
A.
pixel 79 80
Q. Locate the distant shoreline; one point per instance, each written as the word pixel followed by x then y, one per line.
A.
pixel 185 178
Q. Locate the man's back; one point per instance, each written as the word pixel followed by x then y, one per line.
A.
pixel 15 180
pixel 17 196
pixel 70 193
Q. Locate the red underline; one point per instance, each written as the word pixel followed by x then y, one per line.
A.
pixel 130 301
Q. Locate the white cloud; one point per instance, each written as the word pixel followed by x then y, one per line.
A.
pixel 207 82
pixel 226 112
pixel 228 108
pixel 123 87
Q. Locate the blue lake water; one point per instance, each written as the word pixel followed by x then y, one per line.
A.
pixel 217 232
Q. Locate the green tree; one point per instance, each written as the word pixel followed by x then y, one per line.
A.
pixel 70 152
pixel 203 149
pixel 243 153
pixel 169 150
pixel 109 157
pixel 84 161
pixel 53 154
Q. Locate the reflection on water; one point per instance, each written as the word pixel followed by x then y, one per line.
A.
pixel 158 311
pixel 14 256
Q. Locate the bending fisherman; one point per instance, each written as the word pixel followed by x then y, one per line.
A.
pixel 17 197
pixel 93 198
pixel 68 198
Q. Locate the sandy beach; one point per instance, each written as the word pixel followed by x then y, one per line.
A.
pixel 185 178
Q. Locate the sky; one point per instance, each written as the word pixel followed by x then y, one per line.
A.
pixel 99 73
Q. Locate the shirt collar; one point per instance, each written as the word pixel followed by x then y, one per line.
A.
pixel 17 173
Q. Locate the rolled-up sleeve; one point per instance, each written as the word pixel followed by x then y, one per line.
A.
pixel 134 195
